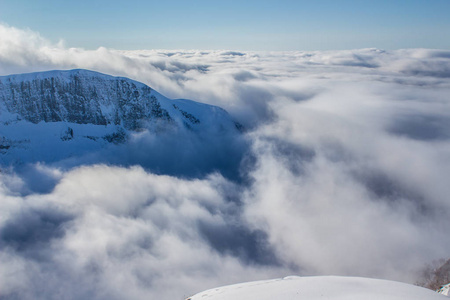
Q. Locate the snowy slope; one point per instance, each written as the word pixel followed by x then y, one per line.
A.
pixel 48 116
pixel 320 287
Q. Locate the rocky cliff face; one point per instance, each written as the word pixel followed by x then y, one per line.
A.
pixel 81 97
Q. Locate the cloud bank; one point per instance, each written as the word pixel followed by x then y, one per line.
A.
pixel 346 163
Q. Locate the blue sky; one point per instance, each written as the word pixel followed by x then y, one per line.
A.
pixel 238 25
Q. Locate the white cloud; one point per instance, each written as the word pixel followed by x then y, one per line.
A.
pixel 110 232
pixel 346 173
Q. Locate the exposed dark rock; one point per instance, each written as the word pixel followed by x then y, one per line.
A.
pixel 81 97
pixel 187 115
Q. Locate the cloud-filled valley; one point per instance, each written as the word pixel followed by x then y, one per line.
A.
pixel 342 169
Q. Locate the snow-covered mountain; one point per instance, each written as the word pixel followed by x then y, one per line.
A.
pixel 47 116
pixel 319 287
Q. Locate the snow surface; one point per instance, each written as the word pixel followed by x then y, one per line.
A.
pixel 319 287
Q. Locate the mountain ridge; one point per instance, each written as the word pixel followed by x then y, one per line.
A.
pixel 83 97
pixel 43 109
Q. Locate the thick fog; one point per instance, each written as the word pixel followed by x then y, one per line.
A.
pixel 343 168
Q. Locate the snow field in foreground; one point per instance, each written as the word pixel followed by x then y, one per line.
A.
pixel 319 287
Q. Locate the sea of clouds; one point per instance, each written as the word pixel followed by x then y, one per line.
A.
pixel 343 168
